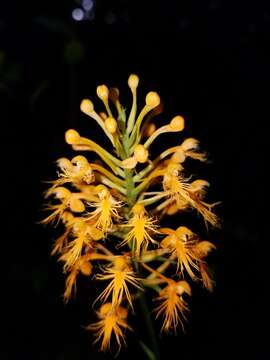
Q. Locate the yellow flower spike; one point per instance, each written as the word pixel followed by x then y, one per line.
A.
pixel 121 276
pixel 113 206
pixel 141 227
pixel 133 82
pixel 141 153
pixel 111 125
pixel 112 321
pixel 103 94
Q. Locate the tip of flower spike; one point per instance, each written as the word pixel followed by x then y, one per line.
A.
pixel 72 136
pixel 103 92
pixel 152 99
pixel 141 153
pixel 87 106
pixel 133 81
pixel 177 123
pixel 111 125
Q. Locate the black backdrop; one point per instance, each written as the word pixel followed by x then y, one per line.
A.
pixel 209 61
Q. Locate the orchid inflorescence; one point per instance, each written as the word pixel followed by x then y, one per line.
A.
pixel 112 211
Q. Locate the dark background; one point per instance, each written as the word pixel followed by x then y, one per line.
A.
pixel 209 61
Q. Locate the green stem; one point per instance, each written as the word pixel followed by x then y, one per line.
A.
pixel 150 328
pixel 153 352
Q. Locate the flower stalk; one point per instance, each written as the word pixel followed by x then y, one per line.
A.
pixel 124 195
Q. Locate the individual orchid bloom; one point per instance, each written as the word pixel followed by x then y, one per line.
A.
pixel 114 209
pixel 202 249
pixel 121 276
pixel 76 171
pixel 112 322
pixel 82 265
pixel 181 192
pixel 172 307
pixel 106 209
pixel 181 242
pixel 142 227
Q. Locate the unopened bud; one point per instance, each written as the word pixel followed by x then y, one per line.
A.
pixel 103 92
pixel 87 106
pixel 141 153
pixel 72 136
pixel 152 99
pixel 111 125
pixel 177 123
pixel 133 81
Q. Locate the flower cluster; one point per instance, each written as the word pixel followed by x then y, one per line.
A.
pixel 112 210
